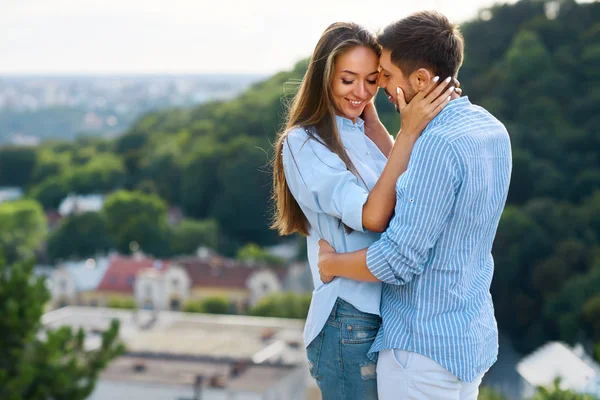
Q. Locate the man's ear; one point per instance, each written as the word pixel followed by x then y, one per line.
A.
pixel 421 78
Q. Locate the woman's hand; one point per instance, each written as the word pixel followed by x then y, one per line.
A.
pixel 375 130
pixel 424 106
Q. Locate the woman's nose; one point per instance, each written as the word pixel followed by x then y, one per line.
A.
pixel 361 91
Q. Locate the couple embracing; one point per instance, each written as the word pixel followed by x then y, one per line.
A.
pixel 399 231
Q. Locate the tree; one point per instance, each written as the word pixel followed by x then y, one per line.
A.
pixel 190 234
pixel 23 228
pixel 486 393
pixel 79 236
pixel 208 305
pixel 17 165
pixel 37 363
pixel 241 205
pixel 283 305
pixel 137 217
pixel 556 393
pixel 103 173
pixel 51 192
pixel 123 303
pixel 254 253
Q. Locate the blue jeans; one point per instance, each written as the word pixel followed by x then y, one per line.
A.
pixel 338 355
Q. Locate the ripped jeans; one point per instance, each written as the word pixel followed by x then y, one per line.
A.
pixel 338 355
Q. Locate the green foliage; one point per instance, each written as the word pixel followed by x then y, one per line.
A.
pixel 190 234
pixel 122 302
pixel 208 305
pixel 23 228
pixel 485 393
pixel 16 165
pixel 283 305
pixel 137 217
pixel 556 393
pixel 254 253
pixel 100 174
pixel 54 365
pixel 79 236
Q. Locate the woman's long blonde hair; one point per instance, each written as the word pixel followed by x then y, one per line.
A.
pixel 313 109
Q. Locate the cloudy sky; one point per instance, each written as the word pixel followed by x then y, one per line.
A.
pixel 184 36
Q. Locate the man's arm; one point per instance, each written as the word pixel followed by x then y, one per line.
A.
pixel 426 197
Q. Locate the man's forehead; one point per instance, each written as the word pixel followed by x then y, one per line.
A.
pixel 385 59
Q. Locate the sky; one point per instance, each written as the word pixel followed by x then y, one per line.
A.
pixel 185 36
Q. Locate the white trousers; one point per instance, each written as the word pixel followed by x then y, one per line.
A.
pixel 405 375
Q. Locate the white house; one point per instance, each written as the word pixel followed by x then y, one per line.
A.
pixel 162 289
pixel 10 194
pixel 70 279
pixel 576 370
pixel 75 204
pixel 262 283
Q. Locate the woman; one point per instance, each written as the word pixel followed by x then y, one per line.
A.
pixel 333 180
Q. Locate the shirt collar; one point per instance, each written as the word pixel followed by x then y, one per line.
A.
pixel 345 123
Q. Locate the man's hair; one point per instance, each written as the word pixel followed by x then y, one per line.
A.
pixel 426 39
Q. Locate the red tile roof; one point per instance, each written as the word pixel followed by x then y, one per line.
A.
pixel 218 272
pixel 121 272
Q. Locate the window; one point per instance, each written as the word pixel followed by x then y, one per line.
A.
pixel 148 290
pixel 175 283
pixel 63 285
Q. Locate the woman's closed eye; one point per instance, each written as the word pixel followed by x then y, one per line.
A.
pixel 369 81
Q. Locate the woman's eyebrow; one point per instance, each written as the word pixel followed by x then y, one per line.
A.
pixel 354 73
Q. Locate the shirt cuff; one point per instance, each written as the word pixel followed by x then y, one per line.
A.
pixel 377 262
pixel 353 208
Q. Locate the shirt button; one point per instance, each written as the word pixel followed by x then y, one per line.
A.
pixel 349 327
pixel 368 153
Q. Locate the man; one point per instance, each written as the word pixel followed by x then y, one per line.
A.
pixel 439 334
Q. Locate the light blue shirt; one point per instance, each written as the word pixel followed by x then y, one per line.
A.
pixel 435 257
pixel 328 193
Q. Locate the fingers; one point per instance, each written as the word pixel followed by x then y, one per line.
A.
pixel 435 93
pixel 443 98
pixel 442 101
pixel 400 98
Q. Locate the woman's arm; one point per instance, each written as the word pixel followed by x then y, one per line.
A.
pixel 375 130
pixel 379 207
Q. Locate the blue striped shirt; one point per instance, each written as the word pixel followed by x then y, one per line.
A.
pixel 435 257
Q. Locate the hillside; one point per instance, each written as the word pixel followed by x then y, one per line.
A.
pixel 534 64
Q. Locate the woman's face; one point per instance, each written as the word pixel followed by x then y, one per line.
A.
pixel 354 81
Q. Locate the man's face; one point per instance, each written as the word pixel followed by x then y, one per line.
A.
pixel 391 77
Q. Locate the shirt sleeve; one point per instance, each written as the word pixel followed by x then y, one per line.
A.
pixel 320 181
pixel 426 194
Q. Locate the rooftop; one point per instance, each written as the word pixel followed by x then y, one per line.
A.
pixel 121 272
pixel 556 359
pixel 220 272
pixel 158 370
pixel 226 337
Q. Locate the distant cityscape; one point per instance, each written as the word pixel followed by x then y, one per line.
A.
pixel 35 108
